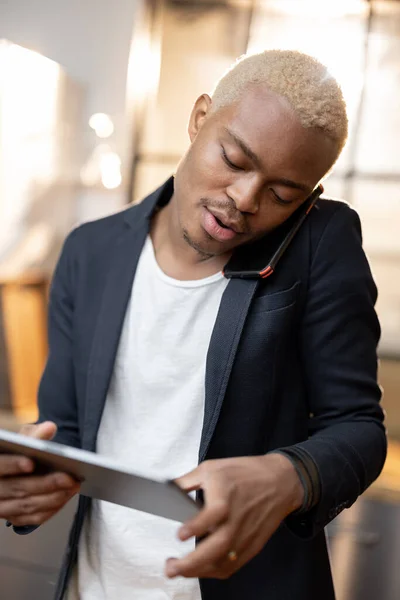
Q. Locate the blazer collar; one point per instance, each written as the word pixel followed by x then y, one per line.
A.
pixel 137 215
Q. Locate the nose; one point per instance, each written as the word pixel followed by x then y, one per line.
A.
pixel 245 193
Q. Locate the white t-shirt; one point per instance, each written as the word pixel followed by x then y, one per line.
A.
pixel 152 422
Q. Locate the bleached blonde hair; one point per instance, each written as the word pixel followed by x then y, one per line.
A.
pixel 310 89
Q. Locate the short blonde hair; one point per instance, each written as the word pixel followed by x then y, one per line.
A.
pixel 313 93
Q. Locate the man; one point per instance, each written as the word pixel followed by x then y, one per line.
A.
pixel 170 347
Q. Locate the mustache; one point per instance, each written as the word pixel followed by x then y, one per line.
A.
pixel 228 208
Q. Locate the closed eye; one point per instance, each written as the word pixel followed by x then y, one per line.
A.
pixel 280 200
pixel 230 164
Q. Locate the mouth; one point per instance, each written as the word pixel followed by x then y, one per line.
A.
pixel 219 227
pixel 224 221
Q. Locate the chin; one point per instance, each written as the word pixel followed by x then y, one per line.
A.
pixel 194 241
pixel 203 244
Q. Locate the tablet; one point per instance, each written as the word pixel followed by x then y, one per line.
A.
pixel 103 478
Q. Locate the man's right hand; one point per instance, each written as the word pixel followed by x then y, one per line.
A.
pixel 26 498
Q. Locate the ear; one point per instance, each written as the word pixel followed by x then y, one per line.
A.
pixel 199 113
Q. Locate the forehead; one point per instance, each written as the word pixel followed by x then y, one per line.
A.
pixel 270 127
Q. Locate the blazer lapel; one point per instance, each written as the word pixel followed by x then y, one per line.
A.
pixel 117 291
pixel 224 342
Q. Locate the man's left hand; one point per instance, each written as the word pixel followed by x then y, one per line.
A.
pixel 246 499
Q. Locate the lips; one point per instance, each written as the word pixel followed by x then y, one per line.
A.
pixel 211 222
pixel 225 221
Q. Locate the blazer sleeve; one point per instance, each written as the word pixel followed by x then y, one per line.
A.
pixel 56 396
pixel 339 336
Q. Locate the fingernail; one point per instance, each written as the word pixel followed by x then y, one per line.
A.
pixel 64 481
pixel 26 465
pixel 172 570
pixel 184 532
pixel 171 567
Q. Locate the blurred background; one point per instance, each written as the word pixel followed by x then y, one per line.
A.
pixel 94 102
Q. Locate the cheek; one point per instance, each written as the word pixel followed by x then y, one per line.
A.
pixel 207 168
pixel 269 217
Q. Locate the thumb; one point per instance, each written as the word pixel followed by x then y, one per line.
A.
pixel 191 481
pixel 43 431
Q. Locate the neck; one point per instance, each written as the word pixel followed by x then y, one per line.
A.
pixel 175 256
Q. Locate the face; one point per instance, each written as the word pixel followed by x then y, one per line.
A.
pixel 250 165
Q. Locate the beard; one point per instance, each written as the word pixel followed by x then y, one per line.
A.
pixel 203 254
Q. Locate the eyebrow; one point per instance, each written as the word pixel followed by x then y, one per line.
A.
pixel 257 162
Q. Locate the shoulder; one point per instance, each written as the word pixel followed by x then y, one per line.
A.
pixel 101 234
pixel 333 218
pixel 328 211
pixel 108 225
pixel 89 246
pixel 337 253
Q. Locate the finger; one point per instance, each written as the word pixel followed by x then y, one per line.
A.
pixel 13 464
pixel 32 505
pixel 23 487
pixel 191 481
pixel 216 511
pixel 208 553
pixel 43 431
pixel 226 568
pixel 214 567
pixel 37 519
pixel 244 548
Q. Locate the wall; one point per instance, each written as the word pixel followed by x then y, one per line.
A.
pixel 90 39
pixel 189 68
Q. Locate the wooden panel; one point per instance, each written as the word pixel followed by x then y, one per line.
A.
pixel 5 394
pixel 24 317
pixel 387 486
pixel 389 378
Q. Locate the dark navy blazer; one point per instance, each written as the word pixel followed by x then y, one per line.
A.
pixel 291 362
